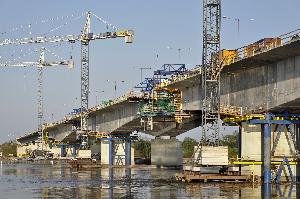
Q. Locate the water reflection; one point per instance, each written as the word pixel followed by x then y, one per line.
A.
pixel 60 181
pixel 286 191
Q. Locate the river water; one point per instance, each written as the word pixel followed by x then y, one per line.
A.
pixel 21 180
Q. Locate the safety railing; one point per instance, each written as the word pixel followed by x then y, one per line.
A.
pixel 262 46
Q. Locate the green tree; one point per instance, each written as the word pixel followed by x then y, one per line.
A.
pixel 188 147
pixel 9 148
pixel 232 142
pixel 143 148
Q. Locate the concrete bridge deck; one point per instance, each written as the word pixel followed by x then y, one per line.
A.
pixel 267 81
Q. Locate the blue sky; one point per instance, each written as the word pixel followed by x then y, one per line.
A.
pixel 157 25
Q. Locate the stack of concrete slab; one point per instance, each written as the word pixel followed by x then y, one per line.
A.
pixel 212 156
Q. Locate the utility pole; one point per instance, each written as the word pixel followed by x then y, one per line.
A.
pixel 142 69
pixel 237 21
pixel 179 53
pixel 115 87
pixel 97 92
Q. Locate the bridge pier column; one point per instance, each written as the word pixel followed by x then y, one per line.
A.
pixel 267 158
pixel 166 152
pixel 62 150
pixel 110 152
pixel 128 152
pixel 75 149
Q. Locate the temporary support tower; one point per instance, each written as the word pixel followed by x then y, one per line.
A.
pixel 210 62
pixel 279 121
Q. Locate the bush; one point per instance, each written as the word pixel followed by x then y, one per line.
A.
pixel 142 148
pixel 8 148
pixel 228 140
pixel 188 147
pixel 232 142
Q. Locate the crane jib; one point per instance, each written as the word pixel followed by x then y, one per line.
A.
pixel 67 38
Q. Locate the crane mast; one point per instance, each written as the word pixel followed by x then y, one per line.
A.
pixel 210 62
pixel 40 99
pixel 85 39
pixel 210 86
pixel 40 92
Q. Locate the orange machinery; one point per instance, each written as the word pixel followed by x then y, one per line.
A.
pixel 262 45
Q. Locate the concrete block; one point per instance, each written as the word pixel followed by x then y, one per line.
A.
pixel 212 156
pixel 166 152
pixel 104 152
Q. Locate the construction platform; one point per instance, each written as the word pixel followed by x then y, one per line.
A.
pixel 193 176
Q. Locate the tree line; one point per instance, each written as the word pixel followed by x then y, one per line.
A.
pixel 8 148
pixel 143 147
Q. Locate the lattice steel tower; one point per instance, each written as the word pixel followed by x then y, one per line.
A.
pixel 210 77
pixel 40 92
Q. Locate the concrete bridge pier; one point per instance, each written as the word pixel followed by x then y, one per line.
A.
pixel 68 150
pixel 116 151
pixel 166 152
pixel 111 152
pixel 128 152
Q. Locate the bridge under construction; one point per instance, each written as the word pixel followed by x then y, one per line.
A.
pixel 255 87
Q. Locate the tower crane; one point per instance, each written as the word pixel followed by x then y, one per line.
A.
pixel 84 38
pixel 40 65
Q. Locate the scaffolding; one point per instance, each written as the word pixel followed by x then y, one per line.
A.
pixel 159 100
